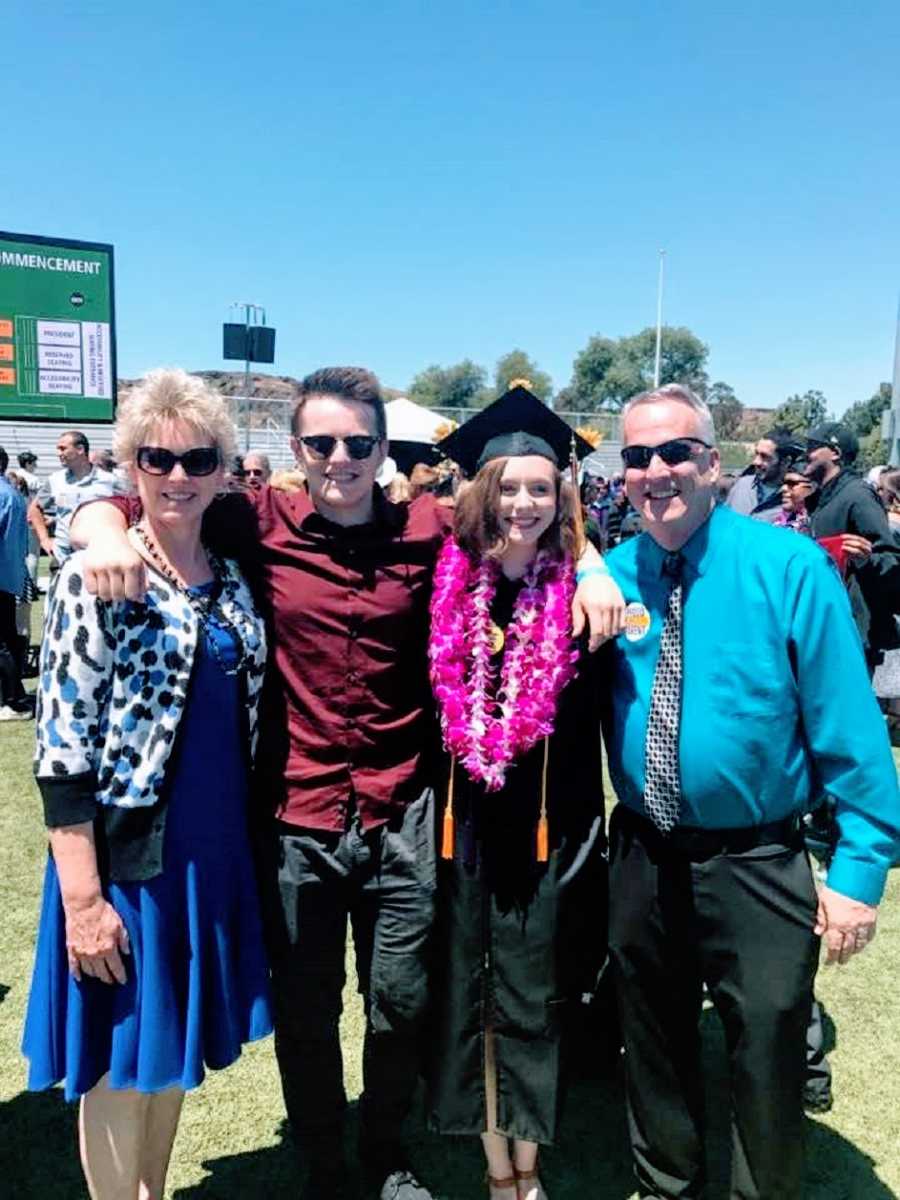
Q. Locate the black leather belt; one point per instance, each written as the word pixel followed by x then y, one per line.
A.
pixel 696 843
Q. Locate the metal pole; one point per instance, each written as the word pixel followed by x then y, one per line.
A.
pixel 659 298
pixel 247 404
pixel 894 418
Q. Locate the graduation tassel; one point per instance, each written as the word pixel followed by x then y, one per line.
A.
pixel 447 838
pixel 543 831
pixel 576 500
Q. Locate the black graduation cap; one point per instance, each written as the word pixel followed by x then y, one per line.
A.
pixel 517 424
pixel 407 454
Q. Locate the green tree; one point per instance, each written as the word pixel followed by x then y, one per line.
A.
pixel 864 418
pixel 865 415
pixel 799 413
pixel 518 365
pixel 458 386
pixel 727 410
pixel 608 372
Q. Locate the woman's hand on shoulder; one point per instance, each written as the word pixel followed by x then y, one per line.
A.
pixel 113 569
pixel 96 939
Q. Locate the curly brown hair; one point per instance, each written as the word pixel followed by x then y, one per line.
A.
pixel 476 524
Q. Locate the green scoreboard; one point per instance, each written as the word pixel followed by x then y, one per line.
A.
pixel 57 329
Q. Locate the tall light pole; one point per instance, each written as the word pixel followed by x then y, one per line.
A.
pixel 891 422
pixel 659 298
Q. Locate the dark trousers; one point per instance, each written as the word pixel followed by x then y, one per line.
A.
pixel 742 923
pixel 11 690
pixel 384 882
pixel 818 1068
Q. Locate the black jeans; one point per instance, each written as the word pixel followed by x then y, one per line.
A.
pixel 742 923
pixel 384 882
pixel 11 690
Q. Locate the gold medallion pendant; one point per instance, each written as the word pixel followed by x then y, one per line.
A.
pixel 498 637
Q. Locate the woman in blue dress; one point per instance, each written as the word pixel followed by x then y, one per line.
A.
pixel 150 963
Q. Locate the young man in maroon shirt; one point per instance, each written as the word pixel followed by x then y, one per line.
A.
pixel 346 756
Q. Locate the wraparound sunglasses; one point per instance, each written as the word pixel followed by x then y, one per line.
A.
pixel 156 460
pixel 673 452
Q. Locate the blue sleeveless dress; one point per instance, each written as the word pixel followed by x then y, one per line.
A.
pixel 198 979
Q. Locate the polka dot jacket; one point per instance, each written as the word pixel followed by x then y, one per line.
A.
pixel 113 683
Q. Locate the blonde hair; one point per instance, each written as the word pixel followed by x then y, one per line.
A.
pixel 398 489
pixel 170 394
pixel 287 480
pixel 682 395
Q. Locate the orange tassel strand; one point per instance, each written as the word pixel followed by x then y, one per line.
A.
pixel 576 502
pixel 543 829
pixel 448 832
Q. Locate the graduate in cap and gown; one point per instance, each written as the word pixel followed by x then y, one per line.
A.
pixel 521 877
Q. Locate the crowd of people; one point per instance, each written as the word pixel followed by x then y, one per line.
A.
pixel 404 701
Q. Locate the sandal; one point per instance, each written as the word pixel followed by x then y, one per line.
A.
pixel 528 1184
pixel 503 1189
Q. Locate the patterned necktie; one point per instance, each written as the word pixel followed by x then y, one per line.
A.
pixel 662 778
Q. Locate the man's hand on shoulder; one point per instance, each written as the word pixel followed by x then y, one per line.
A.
pixel 846 925
pixel 113 569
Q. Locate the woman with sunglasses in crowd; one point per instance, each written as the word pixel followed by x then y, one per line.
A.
pixel 796 489
pixel 149 963
pixel 521 889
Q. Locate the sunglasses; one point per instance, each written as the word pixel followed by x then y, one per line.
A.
pixel 359 445
pixel 673 452
pixel 156 460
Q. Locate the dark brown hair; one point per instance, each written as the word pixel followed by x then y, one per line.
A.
pixel 355 384
pixel 476 524
pixel 423 478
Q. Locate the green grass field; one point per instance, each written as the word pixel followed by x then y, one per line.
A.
pixel 230 1142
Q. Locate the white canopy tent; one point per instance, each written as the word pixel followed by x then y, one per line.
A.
pixel 408 422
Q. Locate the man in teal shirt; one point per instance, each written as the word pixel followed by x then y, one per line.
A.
pixel 740 692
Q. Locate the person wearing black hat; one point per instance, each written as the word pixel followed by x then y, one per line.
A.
pixel 846 506
pixel 521 882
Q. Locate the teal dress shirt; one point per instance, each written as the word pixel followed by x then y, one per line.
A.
pixel 777 706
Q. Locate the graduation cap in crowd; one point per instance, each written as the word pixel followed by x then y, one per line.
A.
pixel 406 454
pixel 515 425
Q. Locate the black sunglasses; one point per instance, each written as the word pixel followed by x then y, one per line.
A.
pixel 673 452
pixel 156 460
pixel 359 445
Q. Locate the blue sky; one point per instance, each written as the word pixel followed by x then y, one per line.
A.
pixel 408 183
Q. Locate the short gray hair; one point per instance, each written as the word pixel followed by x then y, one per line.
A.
pixel 170 394
pixel 683 395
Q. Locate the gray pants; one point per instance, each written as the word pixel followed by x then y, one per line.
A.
pixel 383 881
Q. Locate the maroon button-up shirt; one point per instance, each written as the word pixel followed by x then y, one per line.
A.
pixel 347 714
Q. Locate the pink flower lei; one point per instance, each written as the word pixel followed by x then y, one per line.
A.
pixel 486 725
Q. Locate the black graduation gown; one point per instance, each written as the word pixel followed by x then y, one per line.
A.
pixel 518 939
